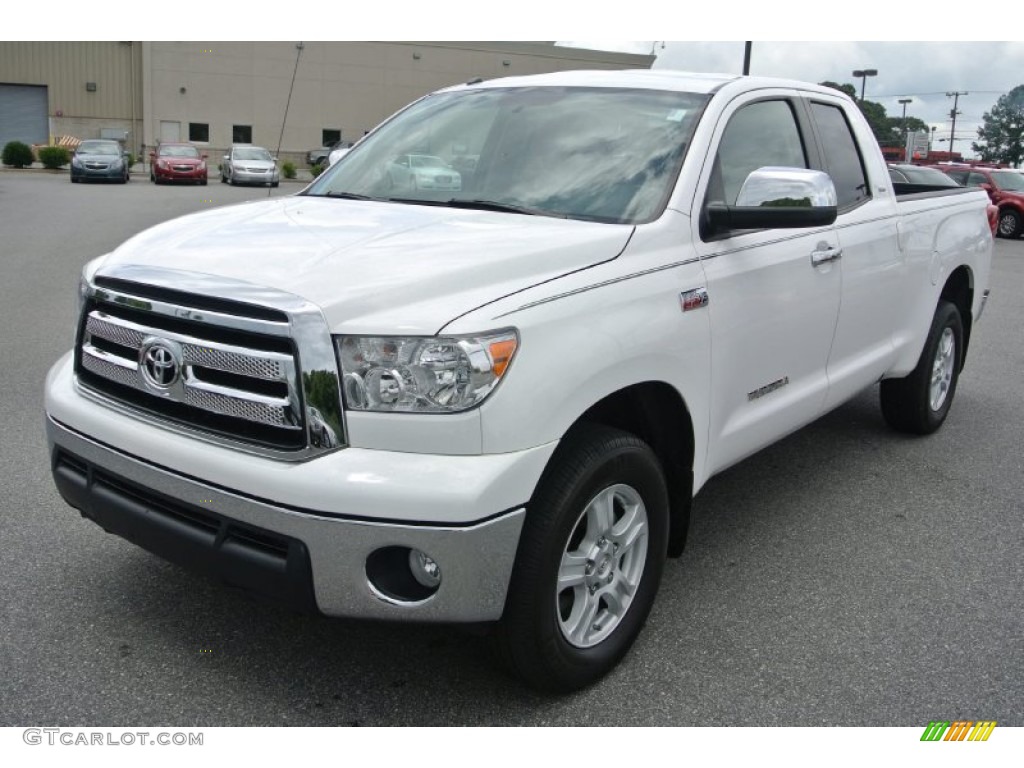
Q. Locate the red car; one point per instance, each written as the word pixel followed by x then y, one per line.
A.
pixel 1005 188
pixel 177 162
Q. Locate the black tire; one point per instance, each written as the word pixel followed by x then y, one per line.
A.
pixel 274 184
pixel 1009 224
pixel 592 461
pixel 203 182
pixel 908 403
pixel 232 182
pixel 74 180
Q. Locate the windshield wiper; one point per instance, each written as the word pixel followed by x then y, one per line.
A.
pixel 491 205
pixel 348 196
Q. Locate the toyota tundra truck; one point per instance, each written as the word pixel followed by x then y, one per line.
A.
pixel 493 402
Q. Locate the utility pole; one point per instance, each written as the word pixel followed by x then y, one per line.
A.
pixel 746 56
pixel 955 96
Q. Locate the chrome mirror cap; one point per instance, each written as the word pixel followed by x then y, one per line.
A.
pixel 787 187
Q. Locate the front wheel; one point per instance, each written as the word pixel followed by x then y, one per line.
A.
pixel 1009 224
pixel 589 562
pixel 919 402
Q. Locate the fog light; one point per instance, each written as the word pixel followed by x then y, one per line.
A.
pixel 402 575
pixel 424 569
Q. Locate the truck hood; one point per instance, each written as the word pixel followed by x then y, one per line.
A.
pixel 376 267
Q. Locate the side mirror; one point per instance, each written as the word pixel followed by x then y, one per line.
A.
pixel 776 198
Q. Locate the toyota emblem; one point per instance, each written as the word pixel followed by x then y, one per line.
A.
pixel 160 363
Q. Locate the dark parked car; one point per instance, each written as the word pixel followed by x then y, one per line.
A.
pixel 921 176
pixel 177 162
pixel 99 159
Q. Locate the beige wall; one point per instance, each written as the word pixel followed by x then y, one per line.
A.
pixel 65 68
pixel 347 86
pixel 350 86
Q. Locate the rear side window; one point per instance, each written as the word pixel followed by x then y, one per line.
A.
pixel 841 155
pixel 957 176
pixel 976 180
pixel 761 134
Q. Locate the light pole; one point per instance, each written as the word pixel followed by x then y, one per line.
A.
pixel 864 74
pixel 904 102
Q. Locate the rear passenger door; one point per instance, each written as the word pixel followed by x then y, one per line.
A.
pixel 772 309
pixel 872 265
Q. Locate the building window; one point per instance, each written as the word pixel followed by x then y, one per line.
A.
pixel 331 135
pixel 198 131
pixel 241 134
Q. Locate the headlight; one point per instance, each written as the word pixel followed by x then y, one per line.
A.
pixel 76 161
pixel 423 375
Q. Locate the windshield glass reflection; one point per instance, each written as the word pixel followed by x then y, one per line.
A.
pixel 598 154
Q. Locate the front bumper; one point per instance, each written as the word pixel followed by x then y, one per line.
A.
pixel 335 509
pixel 107 174
pixel 171 174
pixel 255 177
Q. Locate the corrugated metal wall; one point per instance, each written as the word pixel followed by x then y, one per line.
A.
pixel 66 67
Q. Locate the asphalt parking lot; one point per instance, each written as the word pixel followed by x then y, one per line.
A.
pixel 845 576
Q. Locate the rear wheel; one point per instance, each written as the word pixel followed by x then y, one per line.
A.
pixel 589 562
pixel 1009 224
pixel 919 402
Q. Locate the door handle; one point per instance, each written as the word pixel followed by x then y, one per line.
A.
pixel 824 254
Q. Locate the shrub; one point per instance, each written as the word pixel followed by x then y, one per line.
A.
pixel 288 169
pixel 131 160
pixel 53 157
pixel 17 154
pixel 317 169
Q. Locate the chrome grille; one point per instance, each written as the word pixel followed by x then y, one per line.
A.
pixel 215 357
pixel 244 400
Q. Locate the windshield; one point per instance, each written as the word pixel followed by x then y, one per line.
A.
pixel 177 150
pixel 599 154
pixel 98 148
pixel 252 153
pixel 1010 180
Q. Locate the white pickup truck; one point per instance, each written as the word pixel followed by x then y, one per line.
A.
pixel 494 405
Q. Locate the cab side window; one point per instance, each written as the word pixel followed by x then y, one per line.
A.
pixel 761 134
pixel 976 179
pixel 842 157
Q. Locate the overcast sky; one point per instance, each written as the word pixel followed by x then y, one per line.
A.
pixel 924 72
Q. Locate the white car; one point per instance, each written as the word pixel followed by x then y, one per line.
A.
pixel 336 155
pixel 412 172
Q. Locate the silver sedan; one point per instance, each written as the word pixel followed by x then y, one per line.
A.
pixel 246 164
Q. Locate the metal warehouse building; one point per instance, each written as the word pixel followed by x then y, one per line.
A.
pixel 216 94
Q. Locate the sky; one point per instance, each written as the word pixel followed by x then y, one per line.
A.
pixel 922 71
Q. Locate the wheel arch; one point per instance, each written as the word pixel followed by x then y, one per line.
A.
pixel 656 413
pixel 959 290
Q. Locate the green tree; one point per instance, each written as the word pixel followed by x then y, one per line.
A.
pixel 1000 136
pixel 880 123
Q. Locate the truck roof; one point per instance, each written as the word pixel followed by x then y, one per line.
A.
pixel 654 79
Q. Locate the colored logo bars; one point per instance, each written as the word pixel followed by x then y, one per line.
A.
pixel 961 730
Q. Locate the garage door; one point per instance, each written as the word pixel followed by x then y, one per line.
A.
pixel 23 114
